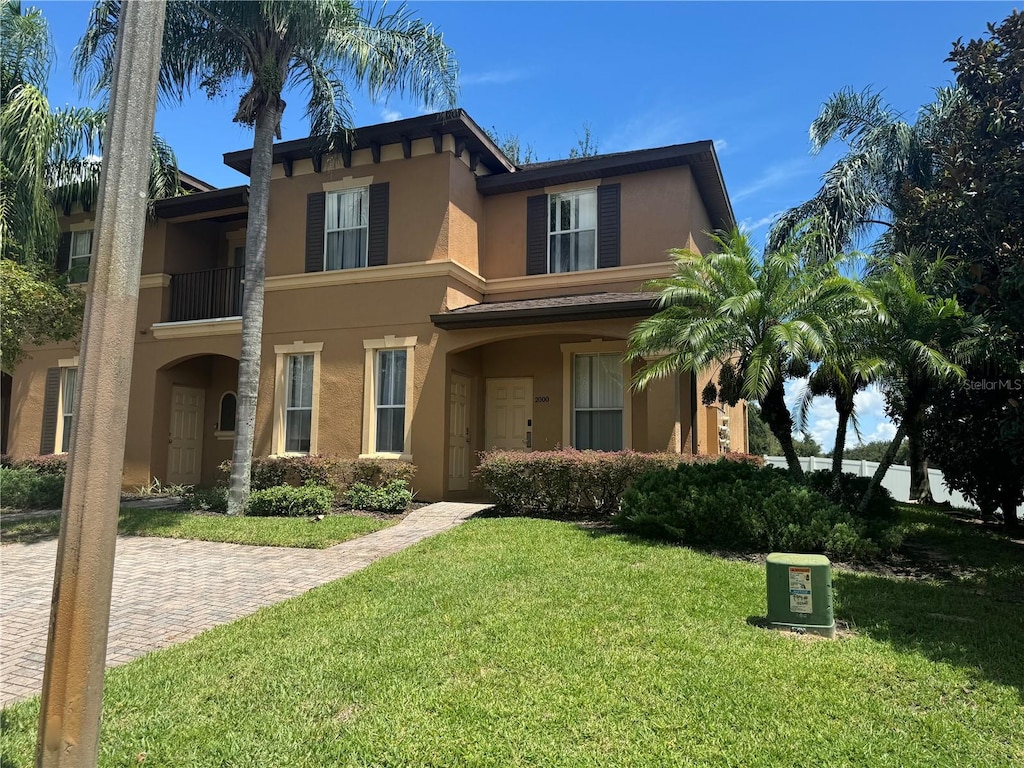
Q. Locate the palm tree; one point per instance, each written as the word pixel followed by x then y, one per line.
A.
pixel 888 161
pixel 761 321
pixel 269 46
pixel 923 339
pixel 849 367
pixel 48 163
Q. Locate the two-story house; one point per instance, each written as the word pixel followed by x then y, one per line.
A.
pixel 425 300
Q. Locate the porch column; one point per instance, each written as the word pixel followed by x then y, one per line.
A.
pixel 664 431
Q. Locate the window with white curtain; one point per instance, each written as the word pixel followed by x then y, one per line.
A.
pixel 572 231
pixel 597 402
pixel 69 378
pixel 390 405
pixel 346 228
pixel 80 256
pixel 299 404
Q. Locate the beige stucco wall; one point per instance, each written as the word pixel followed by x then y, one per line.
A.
pixel 660 210
pixel 435 213
pixel 418 210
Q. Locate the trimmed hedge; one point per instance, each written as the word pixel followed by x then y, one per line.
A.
pixel 742 507
pixel 289 501
pixel 30 489
pixel 49 464
pixel 337 474
pixel 574 483
pixel 395 496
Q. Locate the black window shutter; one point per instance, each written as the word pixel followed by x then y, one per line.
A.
pixel 63 253
pixel 609 231
pixel 48 438
pixel 377 230
pixel 537 235
pixel 316 202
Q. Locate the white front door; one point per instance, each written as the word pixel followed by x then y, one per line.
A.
pixel 509 414
pixel 185 454
pixel 458 434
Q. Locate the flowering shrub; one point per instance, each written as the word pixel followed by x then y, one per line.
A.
pixel 337 474
pixel 571 482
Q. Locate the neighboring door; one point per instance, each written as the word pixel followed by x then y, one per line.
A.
pixel 508 407
pixel 458 434
pixel 185 454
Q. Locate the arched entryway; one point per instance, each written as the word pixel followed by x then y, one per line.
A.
pixel 193 418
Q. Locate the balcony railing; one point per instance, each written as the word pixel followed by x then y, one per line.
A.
pixel 206 295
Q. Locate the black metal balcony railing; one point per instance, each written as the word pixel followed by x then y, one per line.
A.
pixel 206 295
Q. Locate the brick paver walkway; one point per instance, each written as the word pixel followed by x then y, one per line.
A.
pixel 168 590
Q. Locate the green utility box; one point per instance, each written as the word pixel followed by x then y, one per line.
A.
pixel 800 593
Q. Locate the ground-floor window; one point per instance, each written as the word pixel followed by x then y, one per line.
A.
pixel 390 386
pixel 296 397
pixel 299 404
pixel 388 397
pixel 69 379
pixel 597 402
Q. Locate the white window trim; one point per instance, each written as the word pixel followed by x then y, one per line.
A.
pixel 595 347
pixel 62 443
pixel 75 234
pixel 225 434
pixel 571 193
pixel 282 353
pixel 371 347
pixel 366 240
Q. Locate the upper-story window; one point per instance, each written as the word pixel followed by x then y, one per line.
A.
pixel 572 231
pixel 80 256
pixel 345 228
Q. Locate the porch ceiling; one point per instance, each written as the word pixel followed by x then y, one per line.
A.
pixel 551 309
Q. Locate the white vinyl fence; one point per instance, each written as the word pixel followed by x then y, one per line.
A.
pixel 897 479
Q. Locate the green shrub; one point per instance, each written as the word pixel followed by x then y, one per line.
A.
pixel 337 474
pixel 395 496
pixel 571 482
pixel 48 464
pixel 881 512
pixel 289 501
pixel 206 499
pixel 29 489
pixel 739 506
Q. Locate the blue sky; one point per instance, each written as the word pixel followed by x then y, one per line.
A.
pixel 750 76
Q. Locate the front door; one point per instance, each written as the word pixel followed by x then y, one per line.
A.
pixel 509 414
pixel 458 434
pixel 185 454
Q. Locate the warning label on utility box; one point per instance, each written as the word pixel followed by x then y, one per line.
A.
pixel 800 590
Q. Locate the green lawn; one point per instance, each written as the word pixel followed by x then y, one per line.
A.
pixel 520 642
pixel 267 531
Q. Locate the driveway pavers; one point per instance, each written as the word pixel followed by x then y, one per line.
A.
pixel 169 590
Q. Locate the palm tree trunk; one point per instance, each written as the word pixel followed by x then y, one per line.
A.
pixel 837 452
pixel 887 460
pixel 776 415
pixel 920 488
pixel 252 307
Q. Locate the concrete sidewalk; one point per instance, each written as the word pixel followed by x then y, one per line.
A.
pixel 168 590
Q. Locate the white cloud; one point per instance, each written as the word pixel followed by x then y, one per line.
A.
pixel 651 129
pixel 752 225
pixel 822 419
pixel 721 145
pixel 493 77
pixel 774 175
pixel 390 115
